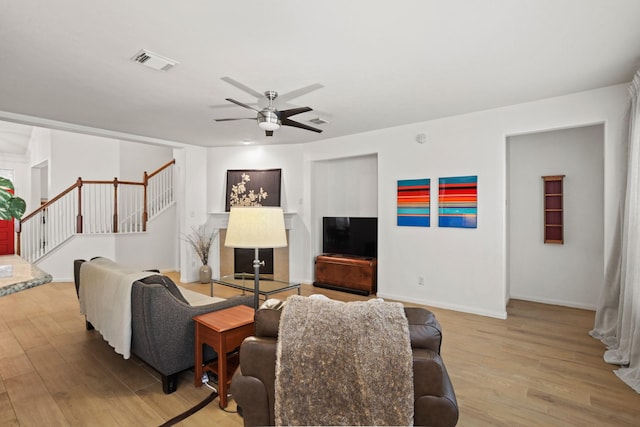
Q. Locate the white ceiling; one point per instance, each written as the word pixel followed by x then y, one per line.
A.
pixel 381 63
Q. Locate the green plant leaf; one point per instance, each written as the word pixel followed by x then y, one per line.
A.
pixel 10 206
pixel 5 196
pixel 6 184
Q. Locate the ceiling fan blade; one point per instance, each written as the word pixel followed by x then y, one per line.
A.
pixel 289 122
pixel 299 92
pixel 293 111
pixel 226 106
pixel 242 104
pixel 242 87
pixel 235 118
pixel 268 132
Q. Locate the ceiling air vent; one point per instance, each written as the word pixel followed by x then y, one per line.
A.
pixel 153 60
pixel 318 121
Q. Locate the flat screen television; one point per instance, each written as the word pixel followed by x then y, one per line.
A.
pixel 356 236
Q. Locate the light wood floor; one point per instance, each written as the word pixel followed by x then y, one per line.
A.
pixel 537 368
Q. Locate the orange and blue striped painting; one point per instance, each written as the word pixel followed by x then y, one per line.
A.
pixel 458 202
pixel 414 202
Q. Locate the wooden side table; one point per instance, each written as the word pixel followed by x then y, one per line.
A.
pixel 224 331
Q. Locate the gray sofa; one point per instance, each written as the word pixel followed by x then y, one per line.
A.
pixel 162 327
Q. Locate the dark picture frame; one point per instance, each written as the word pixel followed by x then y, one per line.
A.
pixel 253 187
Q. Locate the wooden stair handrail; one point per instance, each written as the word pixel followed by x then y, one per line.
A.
pixel 161 168
pixel 50 202
pixel 79 183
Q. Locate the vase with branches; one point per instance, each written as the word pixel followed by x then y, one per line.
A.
pixel 201 239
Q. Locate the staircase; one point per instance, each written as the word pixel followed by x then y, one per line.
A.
pixel 95 207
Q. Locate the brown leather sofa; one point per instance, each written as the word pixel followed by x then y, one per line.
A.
pixel 253 384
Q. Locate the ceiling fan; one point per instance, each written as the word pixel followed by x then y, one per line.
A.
pixel 269 118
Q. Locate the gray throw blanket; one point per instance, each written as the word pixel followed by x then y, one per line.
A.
pixel 343 364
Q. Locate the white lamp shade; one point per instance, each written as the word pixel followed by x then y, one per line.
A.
pixel 256 227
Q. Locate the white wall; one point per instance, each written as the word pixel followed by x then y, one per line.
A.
pixel 192 195
pixel 285 157
pixel 39 148
pixel 75 155
pixel 343 187
pixel 135 159
pixel 346 186
pixel 72 155
pixel 39 152
pixel 461 267
pixel 19 164
pixel 572 273
pixel 464 269
pixel 155 249
pixel 59 264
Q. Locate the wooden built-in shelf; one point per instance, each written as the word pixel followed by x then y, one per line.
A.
pixel 553 209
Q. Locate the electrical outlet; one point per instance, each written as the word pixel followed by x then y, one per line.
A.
pixel 420 281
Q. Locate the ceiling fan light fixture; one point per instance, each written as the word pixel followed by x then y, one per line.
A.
pixel 269 126
pixel 268 120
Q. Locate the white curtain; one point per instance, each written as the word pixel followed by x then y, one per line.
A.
pixel 617 321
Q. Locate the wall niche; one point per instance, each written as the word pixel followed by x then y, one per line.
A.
pixel 553 211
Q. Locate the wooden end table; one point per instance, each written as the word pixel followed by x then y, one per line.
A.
pixel 224 331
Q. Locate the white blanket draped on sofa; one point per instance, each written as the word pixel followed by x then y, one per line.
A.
pixel 105 299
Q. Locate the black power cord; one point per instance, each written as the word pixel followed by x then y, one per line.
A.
pixel 191 411
pixel 205 381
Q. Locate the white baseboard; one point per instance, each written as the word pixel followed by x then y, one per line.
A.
pixel 552 301
pixel 454 307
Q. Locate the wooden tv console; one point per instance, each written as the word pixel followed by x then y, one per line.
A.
pixel 347 273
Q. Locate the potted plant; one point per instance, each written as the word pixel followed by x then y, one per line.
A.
pixel 200 240
pixel 10 206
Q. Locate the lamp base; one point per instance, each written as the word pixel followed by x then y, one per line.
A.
pixel 256 279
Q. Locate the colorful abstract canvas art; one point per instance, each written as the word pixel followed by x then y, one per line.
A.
pixel 414 202
pixel 458 202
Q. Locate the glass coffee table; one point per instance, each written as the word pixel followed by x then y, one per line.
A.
pixel 245 282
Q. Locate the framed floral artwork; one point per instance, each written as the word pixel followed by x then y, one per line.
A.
pixel 253 187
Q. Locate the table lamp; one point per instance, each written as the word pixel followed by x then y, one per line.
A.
pixel 256 227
